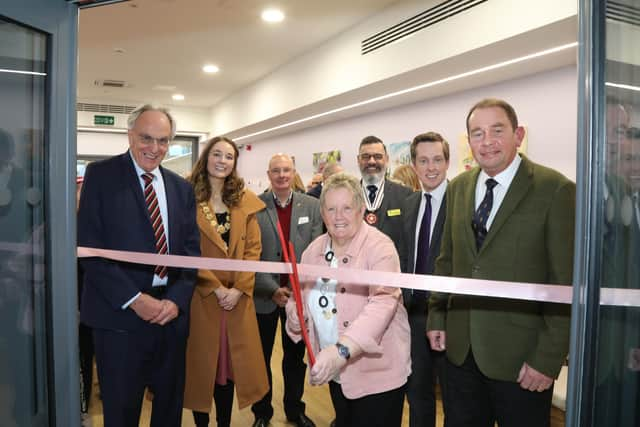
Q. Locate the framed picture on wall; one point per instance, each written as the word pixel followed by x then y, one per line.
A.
pixel 399 154
pixel 320 160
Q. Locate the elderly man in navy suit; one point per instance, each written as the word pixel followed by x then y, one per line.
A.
pixel 425 212
pixel 139 313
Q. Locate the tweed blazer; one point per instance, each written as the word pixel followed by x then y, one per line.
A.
pixel 530 240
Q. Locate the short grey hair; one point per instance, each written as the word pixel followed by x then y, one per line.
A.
pixel 346 181
pixel 133 117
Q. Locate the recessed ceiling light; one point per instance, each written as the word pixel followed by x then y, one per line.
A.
pixel 272 15
pixel 178 97
pixel 210 68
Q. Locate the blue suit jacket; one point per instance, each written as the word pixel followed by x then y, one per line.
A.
pixel 113 215
pixel 411 207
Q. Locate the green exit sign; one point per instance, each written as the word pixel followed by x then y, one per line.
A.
pixel 104 120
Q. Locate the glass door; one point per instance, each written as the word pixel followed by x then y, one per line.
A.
pixel 605 378
pixel 23 367
pixel 38 306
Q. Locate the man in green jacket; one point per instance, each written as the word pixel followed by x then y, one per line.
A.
pixel 509 219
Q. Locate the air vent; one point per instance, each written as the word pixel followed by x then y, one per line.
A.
pixel 429 17
pixel 623 13
pixel 111 83
pixel 103 108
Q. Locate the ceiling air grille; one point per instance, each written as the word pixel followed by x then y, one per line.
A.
pixel 416 23
pixel 623 13
pixel 103 108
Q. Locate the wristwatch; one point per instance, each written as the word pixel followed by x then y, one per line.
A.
pixel 343 351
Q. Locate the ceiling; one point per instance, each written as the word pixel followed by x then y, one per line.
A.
pixel 158 47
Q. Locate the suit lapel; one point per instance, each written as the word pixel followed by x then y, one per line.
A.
pixel 413 206
pixel 517 190
pixel 172 208
pixel 296 209
pixel 238 227
pixel 273 216
pixel 382 210
pixel 439 226
pixel 469 191
pixel 133 183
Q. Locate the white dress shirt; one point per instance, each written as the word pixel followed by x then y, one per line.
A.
pixel 504 180
pixel 437 195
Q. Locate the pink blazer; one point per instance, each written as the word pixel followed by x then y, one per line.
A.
pixel 372 316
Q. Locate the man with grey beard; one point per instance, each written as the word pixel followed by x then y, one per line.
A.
pixel 382 197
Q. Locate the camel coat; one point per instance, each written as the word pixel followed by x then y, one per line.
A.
pixel 250 374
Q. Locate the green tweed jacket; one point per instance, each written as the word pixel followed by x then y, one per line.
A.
pixel 530 240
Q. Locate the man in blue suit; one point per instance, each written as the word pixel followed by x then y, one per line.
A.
pixel 139 313
pixel 425 213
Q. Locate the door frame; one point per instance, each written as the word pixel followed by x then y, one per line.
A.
pixel 59 19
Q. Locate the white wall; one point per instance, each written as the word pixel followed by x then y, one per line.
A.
pixel 546 103
pixel 337 67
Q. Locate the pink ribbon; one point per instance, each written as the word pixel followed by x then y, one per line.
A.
pixel 491 288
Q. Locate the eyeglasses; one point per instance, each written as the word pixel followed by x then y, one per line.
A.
pixel 365 157
pixel 148 140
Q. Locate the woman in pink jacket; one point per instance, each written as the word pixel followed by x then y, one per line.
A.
pixel 360 334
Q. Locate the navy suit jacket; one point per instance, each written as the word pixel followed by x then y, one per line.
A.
pixel 411 207
pixel 113 215
pixel 315 191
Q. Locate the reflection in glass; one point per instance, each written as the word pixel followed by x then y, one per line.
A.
pixel 22 227
pixel 179 158
pixel 618 360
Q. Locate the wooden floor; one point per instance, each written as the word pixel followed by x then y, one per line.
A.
pixel 319 407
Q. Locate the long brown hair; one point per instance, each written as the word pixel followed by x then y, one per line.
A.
pixel 233 185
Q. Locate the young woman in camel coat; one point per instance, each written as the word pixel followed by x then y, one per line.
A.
pixel 222 311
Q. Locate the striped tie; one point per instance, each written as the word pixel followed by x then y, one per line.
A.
pixel 156 221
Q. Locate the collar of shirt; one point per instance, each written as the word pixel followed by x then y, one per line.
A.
pixel 139 171
pixel 378 184
pixel 505 177
pixel 504 180
pixel 438 193
pixel 286 203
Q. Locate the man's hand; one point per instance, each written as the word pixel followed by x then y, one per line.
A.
pixel 437 340
pixel 328 365
pixel 532 380
pixel 146 307
pixel 281 296
pixel 167 314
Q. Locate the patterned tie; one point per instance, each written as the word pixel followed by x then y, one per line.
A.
pixel 479 220
pixel 372 192
pixel 423 238
pixel 156 221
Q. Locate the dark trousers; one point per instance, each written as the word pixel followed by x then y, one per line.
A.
pixel 85 342
pixel 425 364
pixel 375 410
pixel 293 367
pixel 223 397
pixel 129 361
pixel 477 401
